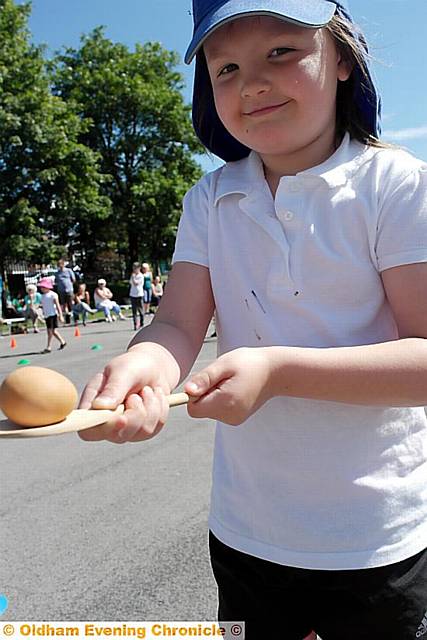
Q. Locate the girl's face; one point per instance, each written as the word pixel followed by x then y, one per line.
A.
pixel 275 86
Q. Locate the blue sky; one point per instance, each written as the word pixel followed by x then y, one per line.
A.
pixel 396 31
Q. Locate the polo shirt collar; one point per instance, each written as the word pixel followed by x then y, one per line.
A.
pixel 341 165
pixel 244 176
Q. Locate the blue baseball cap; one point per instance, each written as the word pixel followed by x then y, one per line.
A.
pixel 209 15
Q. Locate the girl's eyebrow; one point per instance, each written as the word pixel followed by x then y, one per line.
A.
pixel 216 53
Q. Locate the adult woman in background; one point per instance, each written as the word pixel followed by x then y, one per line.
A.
pixel 148 286
pixel 32 302
pixel 82 304
pixel 104 301
pixel 157 292
pixel 136 295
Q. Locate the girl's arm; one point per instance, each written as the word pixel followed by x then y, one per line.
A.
pixel 391 373
pixel 58 307
pixel 387 374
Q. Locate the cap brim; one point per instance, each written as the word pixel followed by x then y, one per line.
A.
pixel 311 13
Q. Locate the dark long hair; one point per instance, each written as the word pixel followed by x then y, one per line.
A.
pixel 352 46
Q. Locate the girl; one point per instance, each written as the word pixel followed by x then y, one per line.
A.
pixel 319 508
pixel 51 311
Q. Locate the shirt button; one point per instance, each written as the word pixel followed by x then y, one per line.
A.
pixel 288 215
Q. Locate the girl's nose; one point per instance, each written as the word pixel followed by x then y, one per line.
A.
pixel 254 85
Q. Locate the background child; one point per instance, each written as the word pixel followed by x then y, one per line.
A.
pixel 51 311
pixel 319 511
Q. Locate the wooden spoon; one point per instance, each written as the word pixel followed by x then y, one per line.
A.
pixel 77 420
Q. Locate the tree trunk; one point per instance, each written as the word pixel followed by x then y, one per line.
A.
pixel 133 246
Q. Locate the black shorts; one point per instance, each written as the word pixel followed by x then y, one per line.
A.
pixel 51 322
pixel 66 298
pixel 286 603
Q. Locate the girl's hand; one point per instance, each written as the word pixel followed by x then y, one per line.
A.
pixel 232 388
pixel 133 379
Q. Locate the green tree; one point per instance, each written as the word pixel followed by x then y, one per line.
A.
pixel 49 180
pixel 141 127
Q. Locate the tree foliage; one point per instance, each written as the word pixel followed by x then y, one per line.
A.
pixel 96 147
pixel 136 119
pixel 49 180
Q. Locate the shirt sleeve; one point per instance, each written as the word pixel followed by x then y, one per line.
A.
pixel 402 222
pixel 192 236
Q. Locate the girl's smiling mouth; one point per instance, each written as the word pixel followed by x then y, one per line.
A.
pixel 264 110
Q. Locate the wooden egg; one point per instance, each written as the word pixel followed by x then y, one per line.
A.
pixel 36 396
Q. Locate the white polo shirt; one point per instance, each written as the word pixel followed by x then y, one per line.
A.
pixel 302 482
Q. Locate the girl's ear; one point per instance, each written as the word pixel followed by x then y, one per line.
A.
pixel 344 68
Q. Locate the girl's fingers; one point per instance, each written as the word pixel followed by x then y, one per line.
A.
pixel 120 428
pixel 210 405
pixel 164 404
pixel 145 416
pixel 113 390
pixel 206 380
pixel 106 431
pixel 151 406
pixel 157 409
pixel 91 390
pixel 136 416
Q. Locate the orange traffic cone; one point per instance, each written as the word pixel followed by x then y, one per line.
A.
pixel 77 332
pixel 12 343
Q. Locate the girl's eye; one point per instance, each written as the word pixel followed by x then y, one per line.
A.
pixel 280 51
pixel 227 69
